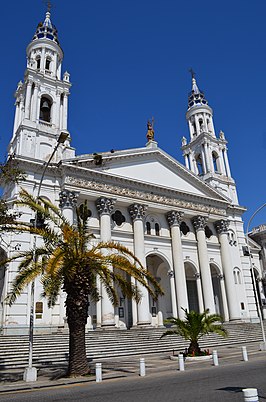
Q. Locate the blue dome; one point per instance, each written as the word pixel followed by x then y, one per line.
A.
pixel 46 30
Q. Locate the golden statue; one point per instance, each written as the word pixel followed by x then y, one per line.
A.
pixel 150 132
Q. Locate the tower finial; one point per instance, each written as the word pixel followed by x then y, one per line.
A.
pixel 48 5
pixel 192 73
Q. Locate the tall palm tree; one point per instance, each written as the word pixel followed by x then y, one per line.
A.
pixel 70 259
pixel 195 326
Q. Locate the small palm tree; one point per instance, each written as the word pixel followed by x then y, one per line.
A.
pixel 70 259
pixel 195 326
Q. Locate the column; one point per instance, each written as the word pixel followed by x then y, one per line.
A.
pixel 224 299
pixel 221 160
pixel 204 165
pixel 186 161
pixel 68 202
pixel 174 220
pixel 16 121
pixel 226 161
pixel 105 207
pixel 42 66
pixel 173 293
pixel 233 305
pixel 64 122
pixel 35 102
pixel 57 109
pixel 199 223
pixel 191 162
pixel 199 291
pixel 28 99
pixel 137 213
pixel 207 156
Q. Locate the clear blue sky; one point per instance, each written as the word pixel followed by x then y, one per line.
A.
pixel 129 61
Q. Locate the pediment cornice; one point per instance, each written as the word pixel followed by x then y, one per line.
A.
pixel 143 154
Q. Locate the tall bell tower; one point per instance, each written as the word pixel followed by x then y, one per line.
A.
pixel 42 99
pixel 206 154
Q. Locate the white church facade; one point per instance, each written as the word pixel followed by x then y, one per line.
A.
pixel 183 222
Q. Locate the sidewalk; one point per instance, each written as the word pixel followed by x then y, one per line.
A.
pixel 12 380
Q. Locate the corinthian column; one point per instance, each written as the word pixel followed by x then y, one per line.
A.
pixel 137 213
pixel 233 305
pixel 105 207
pixel 68 202
pixel 199 223
pixel 174 220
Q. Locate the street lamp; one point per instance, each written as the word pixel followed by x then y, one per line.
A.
pixel 263 344
pixel 30 373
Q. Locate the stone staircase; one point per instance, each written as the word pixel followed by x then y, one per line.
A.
pixel 51 350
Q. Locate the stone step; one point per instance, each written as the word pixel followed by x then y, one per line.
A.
pixel 49 350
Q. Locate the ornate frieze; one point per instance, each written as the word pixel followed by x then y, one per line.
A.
pixel 137 211
pixel 222 226
pixel 174 218
pixel 68 199
pixel 199 222
pixel 105 205
pixel 143 195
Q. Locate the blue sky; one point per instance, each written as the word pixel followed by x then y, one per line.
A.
pixel 129 61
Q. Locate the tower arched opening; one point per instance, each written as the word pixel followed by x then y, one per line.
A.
pixel 45 109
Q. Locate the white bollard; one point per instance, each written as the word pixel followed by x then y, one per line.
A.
pixel 98 372
pixel 142 371
pixel 250 395
pixel 181 362
pixel 245 353
pixel 215 358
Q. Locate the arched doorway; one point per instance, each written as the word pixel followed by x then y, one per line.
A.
pixel 192 290
pixel 162 308
pixel 217 293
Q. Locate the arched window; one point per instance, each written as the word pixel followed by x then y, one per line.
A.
pixel 148 228
pixel 45 109
pixel 237 276
pixel 214 161
pixel 38 62
pixel 157 229
pixel 201 124
pixel 47 63
pixel 199 164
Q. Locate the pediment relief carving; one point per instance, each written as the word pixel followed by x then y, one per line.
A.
pixel 143 195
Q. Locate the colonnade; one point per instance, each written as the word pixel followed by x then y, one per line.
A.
pixel 179 295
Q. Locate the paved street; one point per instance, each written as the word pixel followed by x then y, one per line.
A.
pixel 198 383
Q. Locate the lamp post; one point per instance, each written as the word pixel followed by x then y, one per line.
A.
pixel 30 373
pixel 263 344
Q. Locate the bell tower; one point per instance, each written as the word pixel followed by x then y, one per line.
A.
pixel 42 99
pixel 206 154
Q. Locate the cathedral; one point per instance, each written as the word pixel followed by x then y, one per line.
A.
pixel 183 221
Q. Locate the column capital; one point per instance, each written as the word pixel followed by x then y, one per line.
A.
pixel 221 226
pixel 199 222
pixel 137 211
pixel 105 205
pixel 174 218
pixel 68 199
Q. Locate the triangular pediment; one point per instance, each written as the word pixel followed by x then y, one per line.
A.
pixel 153 167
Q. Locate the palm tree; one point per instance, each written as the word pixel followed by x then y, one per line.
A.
pixel 195 326
pixel 71 260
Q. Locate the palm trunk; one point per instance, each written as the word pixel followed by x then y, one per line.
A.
pixel 76 309
pixel 194 348
pixel 78 364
